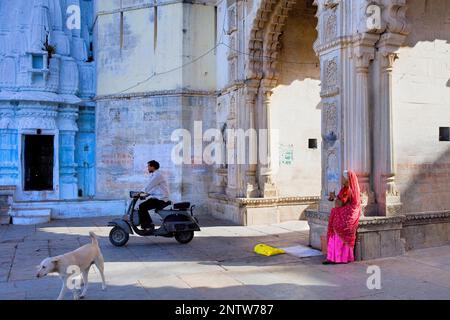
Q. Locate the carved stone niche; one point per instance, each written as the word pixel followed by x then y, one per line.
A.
pixel 232 108
pixel 330 78
pixel 232 71
pixel 332 174
pixel 330 31
pixel 233 47
pixel 330 123
pixel 232 18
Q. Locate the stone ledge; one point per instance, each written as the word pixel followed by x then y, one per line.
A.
pixel 148 94
pixel 276 201
pixel 427 218
pixel 257 211
pixel 7 190
pixel 379 237
pixel 264 202
pixel 63 209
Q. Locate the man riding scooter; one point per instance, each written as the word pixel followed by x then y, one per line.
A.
pixel 158 191
pixel 178 221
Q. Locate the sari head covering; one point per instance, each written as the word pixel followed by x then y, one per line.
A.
pixel 345 174
pixel 344 220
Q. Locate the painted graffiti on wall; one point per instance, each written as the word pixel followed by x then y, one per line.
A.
pixel 119 159
pixel 286 154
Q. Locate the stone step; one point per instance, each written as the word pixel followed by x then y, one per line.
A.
pixel 5 219
pixel 30 216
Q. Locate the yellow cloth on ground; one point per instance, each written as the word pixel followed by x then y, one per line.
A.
pixel 268 251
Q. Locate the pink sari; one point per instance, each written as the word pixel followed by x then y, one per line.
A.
pixel 343 224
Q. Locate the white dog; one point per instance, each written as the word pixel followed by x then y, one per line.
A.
pixel 75 262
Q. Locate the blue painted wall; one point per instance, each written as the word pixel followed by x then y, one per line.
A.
pixel 47 91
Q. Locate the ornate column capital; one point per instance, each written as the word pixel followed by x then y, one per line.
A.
pixel 364 50
pixel 363 56
pixel 251 91
pixel 388 45
pixel 67 118
pixel 390 42
pixel 387 61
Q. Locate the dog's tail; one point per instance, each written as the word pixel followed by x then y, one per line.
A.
pixel 93 237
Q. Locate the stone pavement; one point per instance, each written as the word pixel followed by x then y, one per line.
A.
pixel 218 264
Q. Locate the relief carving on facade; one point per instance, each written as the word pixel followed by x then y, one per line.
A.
pixel 330 123
pixel 67 118
pixel 332 174
pixel 232 71
pixel 232 18
pixel 7 117
pixel 394 14
pixel 330 78
pixel 330 27
pixel 37 117
pixel 232 108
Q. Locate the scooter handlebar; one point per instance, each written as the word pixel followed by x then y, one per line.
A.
pixel 143 195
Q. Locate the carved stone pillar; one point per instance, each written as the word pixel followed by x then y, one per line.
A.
pixel 85 151
pixel 250 187
pixel 67 126
pixel 9 170
pixel 360 157
pixel 265 144
pixel 389 198
pixel 334 52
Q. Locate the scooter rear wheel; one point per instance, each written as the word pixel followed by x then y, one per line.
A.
pixel 184 237
pixel 118 237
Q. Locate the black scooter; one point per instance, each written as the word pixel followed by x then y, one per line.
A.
pixel 178 222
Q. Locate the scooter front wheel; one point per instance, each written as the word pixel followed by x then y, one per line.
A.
pixel 118 237
pixel 184 236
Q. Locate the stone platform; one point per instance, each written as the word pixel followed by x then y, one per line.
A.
pixel 64 209
pixel 380 237
pixel 258 211
pixel 218 264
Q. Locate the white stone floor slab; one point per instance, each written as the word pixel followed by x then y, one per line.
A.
pixel 301 251
pixel 218 264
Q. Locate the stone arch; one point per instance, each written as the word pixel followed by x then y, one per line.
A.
pixel 264 43
pixel 264 75
pixel 272 34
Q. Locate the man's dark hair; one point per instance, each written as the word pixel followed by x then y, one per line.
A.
pixel 154 164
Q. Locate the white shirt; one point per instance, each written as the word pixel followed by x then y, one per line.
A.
pixel 157 186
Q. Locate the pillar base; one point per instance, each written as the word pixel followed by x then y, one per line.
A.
pixel 68 191
pixel 377 237
pixel 269 190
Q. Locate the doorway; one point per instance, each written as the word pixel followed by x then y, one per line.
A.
pixel 38 165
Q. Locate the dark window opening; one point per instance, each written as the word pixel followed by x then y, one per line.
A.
pixel 91 52
pixel 312 143
pixel 121 31
pixel 444 133
pixel 38 166
pixel 155 27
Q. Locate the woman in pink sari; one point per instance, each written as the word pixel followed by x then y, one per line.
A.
pixel 343 222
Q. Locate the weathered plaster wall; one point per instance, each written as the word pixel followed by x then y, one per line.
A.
pixel 421 99
pixel 173 41
pixel 153 41
pixel 295 106
pixel 131 132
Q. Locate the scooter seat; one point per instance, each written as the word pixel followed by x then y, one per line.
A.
pixel 165 204
pixel 182 205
